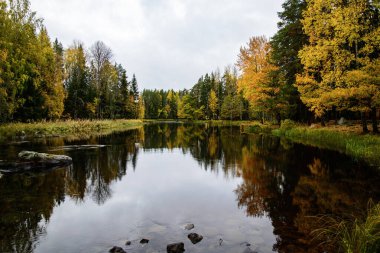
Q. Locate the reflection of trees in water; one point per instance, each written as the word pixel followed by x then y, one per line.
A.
pixel 96 169
pixel 27 203
pixel 204 143
pixel 287 182
pixel 290 185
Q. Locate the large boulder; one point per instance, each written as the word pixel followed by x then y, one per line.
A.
pixel 30 160
pixel 43 158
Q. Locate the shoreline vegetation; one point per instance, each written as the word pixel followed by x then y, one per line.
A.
pixel 66 128
pixel 347 139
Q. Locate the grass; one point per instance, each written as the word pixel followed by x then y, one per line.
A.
pixel 351 236
pixel 64 128
pixel 345 140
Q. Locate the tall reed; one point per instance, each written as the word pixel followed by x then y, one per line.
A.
pixel 356 235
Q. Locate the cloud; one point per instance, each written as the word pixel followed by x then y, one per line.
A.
pixel 167 43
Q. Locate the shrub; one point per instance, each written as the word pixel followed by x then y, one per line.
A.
pixel 288 124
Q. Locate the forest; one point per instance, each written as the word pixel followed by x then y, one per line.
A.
pixel 321 65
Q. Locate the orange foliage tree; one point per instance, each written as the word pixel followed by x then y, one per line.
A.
pixel 259 80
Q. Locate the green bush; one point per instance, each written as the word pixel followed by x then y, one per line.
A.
pixel 288 124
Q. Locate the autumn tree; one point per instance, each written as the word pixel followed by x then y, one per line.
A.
pixel 259 80
pixel 213 103
pixel 341 65
pixel 51 74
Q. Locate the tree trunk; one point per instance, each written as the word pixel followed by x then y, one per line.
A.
pixel 375 128
pixel 335 112
pixel 278 118
pixel 364 122
pixel 323 123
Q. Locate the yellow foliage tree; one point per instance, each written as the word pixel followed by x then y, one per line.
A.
pixel 341 61
pixel 51 77
pixel 259 82
pixel 213 103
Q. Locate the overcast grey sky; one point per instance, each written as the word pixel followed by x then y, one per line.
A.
pixel 166 43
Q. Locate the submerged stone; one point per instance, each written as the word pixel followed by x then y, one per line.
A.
pixel 189 226
pixel 175 248
pixel 249 250
pixel 116 249
pixel 128 243
pixel 195 238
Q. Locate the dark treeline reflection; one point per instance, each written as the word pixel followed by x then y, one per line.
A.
pixel 284 181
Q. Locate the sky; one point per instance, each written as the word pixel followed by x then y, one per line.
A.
pixel 166 43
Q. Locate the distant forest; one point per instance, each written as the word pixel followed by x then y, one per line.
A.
pixel 322 64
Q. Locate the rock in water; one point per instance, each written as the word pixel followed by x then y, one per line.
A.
pixel 144 241
pixel 117 250
pixel 195 238
pixel 44 160
pixel 128 243
pixel 29 160
pixel 175 248
pixel 248 250
pixel 189 226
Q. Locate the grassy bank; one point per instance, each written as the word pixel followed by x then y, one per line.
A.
pixel 343 139
pixel 65 128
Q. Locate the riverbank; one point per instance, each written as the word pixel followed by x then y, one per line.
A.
pixel 65 128
pixel 345 139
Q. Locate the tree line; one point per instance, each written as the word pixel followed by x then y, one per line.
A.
pixel 214 96
pixel 39 79
pixel 322 64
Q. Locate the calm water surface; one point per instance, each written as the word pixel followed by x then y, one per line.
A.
pixel 236 189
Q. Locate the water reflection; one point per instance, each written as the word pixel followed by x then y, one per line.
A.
pixel 280 180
